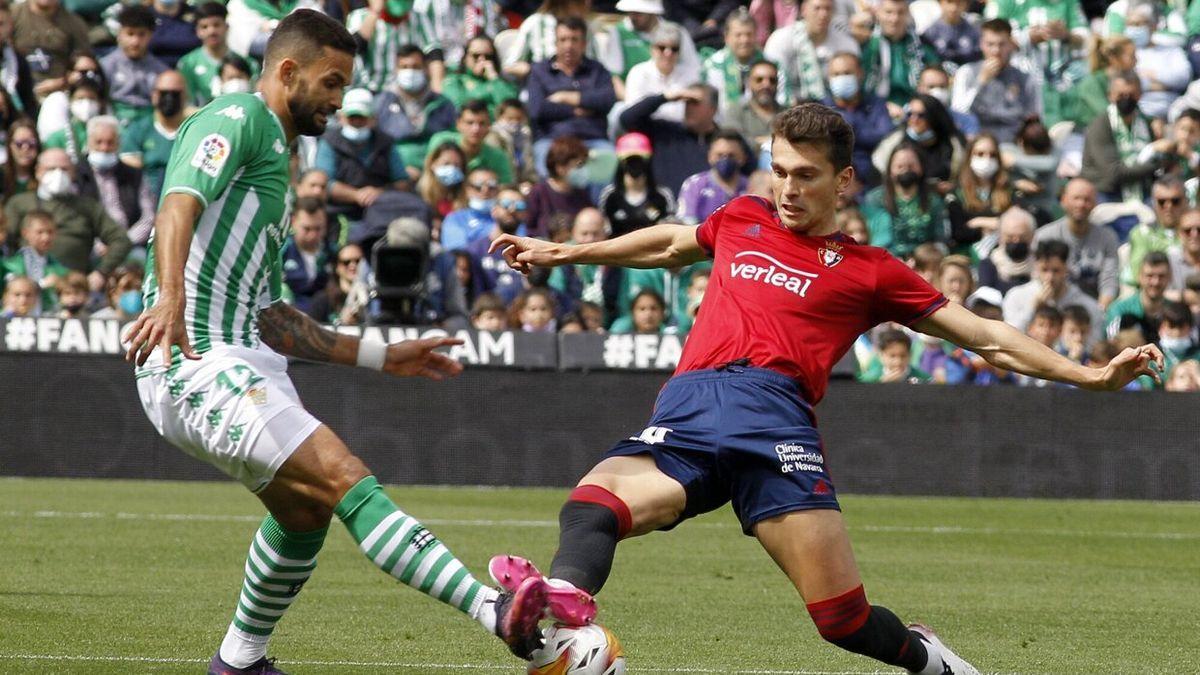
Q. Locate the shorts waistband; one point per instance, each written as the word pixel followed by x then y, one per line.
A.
pixel 739 370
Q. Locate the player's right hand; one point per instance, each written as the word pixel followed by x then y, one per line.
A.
pixel 525 253
pixel 160 326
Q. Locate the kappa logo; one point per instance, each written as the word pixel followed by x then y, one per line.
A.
pixel 652 435
pixel 776 274
pixel 234 112
pixel 211 154
pixel 278 147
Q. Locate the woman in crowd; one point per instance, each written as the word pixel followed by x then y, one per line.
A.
pixel 982 194
pixel 647 314
pixel 563 192
pixel 54 112
pixel 23 150
pixel 87 101
pixel 1089 97
pixel 479 77
pixel 441 182
pixel 929 127
pixel 344 300
pixel 1034 171
pixel 634 199
pixel 906 210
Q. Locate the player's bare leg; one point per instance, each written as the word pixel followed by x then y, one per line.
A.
pixel 813 550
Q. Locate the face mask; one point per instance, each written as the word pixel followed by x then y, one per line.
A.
pixel 635 167
pixel 54 183
pixel 84 109
pixel 130 302
pixel 922 137
pixel 236 86
pixel 73 307
pixel 448 175
pixel 908 179
pixel 1140 35
pixel 102 161
pixel 510 128
pixel 578 177
pixel 356 134
pixel 170 103
pixel 481 204
pixel 985 167
pixel 1017 251
pixel 942 95
pixel 843 87
pixel 1126 105
pixel 1177 345
pixel 411 80
pixel 726 167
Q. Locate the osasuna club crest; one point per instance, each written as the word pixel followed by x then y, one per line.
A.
pixel 829 256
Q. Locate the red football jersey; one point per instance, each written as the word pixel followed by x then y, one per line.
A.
pixel 794 303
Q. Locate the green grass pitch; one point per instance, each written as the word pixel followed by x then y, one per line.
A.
pixel 133 577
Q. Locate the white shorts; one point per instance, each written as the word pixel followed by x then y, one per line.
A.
pixel 235 408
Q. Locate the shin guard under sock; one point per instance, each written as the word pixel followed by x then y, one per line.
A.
pixel 590 524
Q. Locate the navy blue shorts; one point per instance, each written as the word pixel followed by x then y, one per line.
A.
pixel 737 434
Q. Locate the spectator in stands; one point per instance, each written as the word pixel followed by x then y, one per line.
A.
pixel 928 126
pixel 512 134
pixel 680 150
pixel 671 284
pixel 478 77
pixel 201 67
pixel 953 37
pixel 306 254
pixel 702 19
pixel 898 49
pixel 704 192
pixel 14 69
pixel 409 112
pixel 634 199
pixel 645 315
pixel 237 74
pixel 80 220
pixel 119 187
pixel 537 39
pixel 533 311
pixel 1109 56
pixel 23 150
pixel 597 284
pixel 1164 68
pixel 124 295
pixel 805 48
pixel 1075 339
pixel 86 102
pixel 1049 31
pixel 73 296
pixel 1183 162
pixel 470 133
pixel 1145 307
pixel 771 15
pixel 55 113
pixel 146 143
pixel 563 191
pixel 491 270
pixel 380 30
pixel 1184 377
pixel 488 313
pixel 895 356
pixel 570 94
pixel 361 160
pixel 905 211
pixel 994 90
pixel 955 279
pixel 1046 326
pixel 1009 263
pixel 934 82
pixel 465 225
pixel 866 113
pixel 852 224
pixel 131 71
pixel 1176 334
pixel 344 300
pixel 728 68
pixel 34 261
pixel 982 194
pixel 861 26
pixel 629 41
pixel 751 117
pixel 20 298
pixel 1092 264
pixel 1185 255
pixel 926 261
pixel 174 31
pixel 314 183
pixel 1034 170
pixel 661 73
pixel 441 181
pixel 1113 142
pixel 46 34
pixel 1050 286
pixel 1170 201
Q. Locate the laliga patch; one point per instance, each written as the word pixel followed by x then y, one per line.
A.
pixel 829 256
pixel 211 154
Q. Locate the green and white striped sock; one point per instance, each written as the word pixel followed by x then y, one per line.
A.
pixel 401 546
pixel 278 565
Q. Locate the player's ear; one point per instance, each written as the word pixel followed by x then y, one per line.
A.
pixel 844 178
pixel 289 71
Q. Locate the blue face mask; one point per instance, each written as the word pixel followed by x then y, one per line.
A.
pixel 922 137
pixel 843 87
pixel 726 167
pixel 578 177
pixel 481 204
pixel 130 302
pixel 1140 35
pixel 448 175
pixel 356 134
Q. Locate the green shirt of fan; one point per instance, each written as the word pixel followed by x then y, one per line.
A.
pixel 203 74
pixel 672 287
pixel 14 266
pixel 148 141
pixel 462 86
pixel 73 139
pixel 634 48
pixel 1145 239
pixel 489 157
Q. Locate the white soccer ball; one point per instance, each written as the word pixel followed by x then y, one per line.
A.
pixel 587 650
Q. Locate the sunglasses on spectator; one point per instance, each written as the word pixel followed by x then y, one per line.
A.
pixel 485 185
pixel 349 261
pixel 918 114
pixel 667 48
pixel 1188 231
pixel 24 145
pixel 481 55
pixel 1173 201
pixel 513 205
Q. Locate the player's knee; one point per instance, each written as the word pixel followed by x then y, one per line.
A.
pixel 839 617
pixel 302 514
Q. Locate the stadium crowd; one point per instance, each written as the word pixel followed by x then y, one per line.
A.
pixel 1036 160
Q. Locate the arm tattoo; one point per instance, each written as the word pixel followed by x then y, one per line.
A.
pixel 288 331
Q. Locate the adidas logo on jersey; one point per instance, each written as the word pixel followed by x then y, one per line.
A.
pixel 776 274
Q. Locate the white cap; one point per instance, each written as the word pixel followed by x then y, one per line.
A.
pixel 641 6
pixel 358 102
pixel 991 296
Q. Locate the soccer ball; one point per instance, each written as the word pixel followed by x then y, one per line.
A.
pixel 586 650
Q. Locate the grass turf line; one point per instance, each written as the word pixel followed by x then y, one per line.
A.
pixel 1020 586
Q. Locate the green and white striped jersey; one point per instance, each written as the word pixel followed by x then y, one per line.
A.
pixel 232 156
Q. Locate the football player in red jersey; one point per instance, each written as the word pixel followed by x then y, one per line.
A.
pixel 787 297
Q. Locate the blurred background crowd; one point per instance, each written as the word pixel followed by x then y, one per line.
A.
pixel 1036 160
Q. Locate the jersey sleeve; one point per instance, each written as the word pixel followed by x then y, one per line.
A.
pixel 901 295
pixel 210 148
pixel 706 233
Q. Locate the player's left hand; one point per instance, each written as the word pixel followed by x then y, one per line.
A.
pixel 416 358
pixel 1130 364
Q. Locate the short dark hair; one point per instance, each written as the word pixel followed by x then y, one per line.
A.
pixel 304 32
pixel 1190 113
pixel 136 16
pixel 1077 314
pixel 996 26
pixel 487 302
pixel 1049 313
pixel 817 124
pixel 1155 259
pixel 508 104
pixel 1052 248
pixel 1128 77
pixel 649 293
pixel 37 214
pixel 310 205
pixel 573 23
pixel 474 105
pixel 764 62
pixel 211 10
pixel 729 135
pixel 409 50
pixel 563 150
pixel 892 336
pixel 237 61
pixel 1177 314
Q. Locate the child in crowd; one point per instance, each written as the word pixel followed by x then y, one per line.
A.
pixel 533 312
pixel 73 296
pixel 895 355
pixel 487 313
pixel 20 298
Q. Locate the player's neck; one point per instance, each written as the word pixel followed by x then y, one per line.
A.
pixel 276 99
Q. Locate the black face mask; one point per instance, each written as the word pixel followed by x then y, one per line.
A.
pixel 169 103
pixel 636 166
pixel 1126 105
pixel 1017 251
pixel 908 179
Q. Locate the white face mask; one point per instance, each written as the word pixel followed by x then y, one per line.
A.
pixel 84 109
pixel 235 86
pixel 411 80
pixel 942 95
pixel 54 183
pixel 102 161
pixel 356 134
pixel 985 167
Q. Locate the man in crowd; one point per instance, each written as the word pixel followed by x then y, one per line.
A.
pixel 1050 286
pixel 1093 260
pixel 131 70
pixel 628 41
pixel 1185 256
pixel 307 255
pixel 122 189
pixel 1169 200
pixel 463 226
pixel 362 161
pixel 894 56
pixel 680 150
pixel 1143 308
pixel 865 112
pixel 996 92
pixel 47 34
pixel 805 48
pixel 705 192
pixel 146 143
pixel 409 111
pixel 472 127
pixel 751 116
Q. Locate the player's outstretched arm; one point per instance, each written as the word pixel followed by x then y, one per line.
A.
pixel 289 331
pixel 1005 347
pixel 665 245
